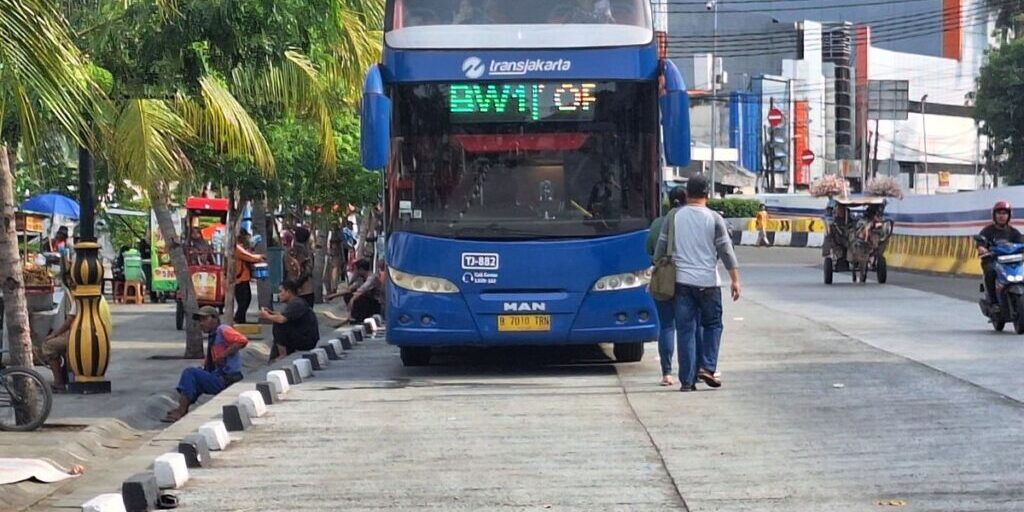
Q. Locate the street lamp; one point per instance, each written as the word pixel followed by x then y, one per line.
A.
pixel 924 133
pixel 712 5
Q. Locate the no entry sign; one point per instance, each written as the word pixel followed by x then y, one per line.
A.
pixel 775 117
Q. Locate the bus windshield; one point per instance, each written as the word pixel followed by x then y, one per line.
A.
pixel 416 13
pixel 524 160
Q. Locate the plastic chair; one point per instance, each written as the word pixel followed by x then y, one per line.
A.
pixel 133 291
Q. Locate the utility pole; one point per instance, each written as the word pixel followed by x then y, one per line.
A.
pixel 713 5
pixel 924 133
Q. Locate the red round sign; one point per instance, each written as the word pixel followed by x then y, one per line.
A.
pixel 775 117
pixel 807 157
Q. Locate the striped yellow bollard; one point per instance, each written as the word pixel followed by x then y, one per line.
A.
pixel 89 342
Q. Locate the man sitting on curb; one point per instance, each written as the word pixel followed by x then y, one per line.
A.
pixel 223 365
pixel 295 327
pixel 55 349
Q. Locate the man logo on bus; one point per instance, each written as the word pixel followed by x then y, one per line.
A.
pixel 473 67
pixel 525 306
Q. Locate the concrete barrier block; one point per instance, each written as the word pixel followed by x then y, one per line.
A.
pixel 380 320
pixel 347 340
pixel 334 350
pixel 236 418
pixel 293 374
pixel 304 367
pixel 279 380
pixel 253 403
pixel 170 470
pixel 105 503
pixel 783 239
pixel 216 435
pixel 266 390
pixel 139 493
pixel 370 325
pixel 314 361
pixel 362 333
pixel 321 356
pixel 195 450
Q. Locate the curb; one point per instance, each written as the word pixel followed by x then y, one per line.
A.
pixel 779 238
pixel 189 442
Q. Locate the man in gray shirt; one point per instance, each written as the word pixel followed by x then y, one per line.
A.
pixel 701 239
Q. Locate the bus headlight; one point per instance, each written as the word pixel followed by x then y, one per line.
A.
pixel 625 281
pixel 422 284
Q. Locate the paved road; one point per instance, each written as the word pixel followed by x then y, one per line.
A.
pixel 848 398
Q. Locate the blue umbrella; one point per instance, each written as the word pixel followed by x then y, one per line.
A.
pixel 52 204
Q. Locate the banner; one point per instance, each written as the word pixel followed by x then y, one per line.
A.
pixel 163 278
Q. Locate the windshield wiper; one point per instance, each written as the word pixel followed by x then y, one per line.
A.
pixel 495 229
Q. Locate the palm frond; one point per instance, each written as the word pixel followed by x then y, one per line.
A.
pixel 146 147
pixel 223 121
pixel 294 88
pixel 38 54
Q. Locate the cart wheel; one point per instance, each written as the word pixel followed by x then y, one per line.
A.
pixel 828 270
pixel 881 270
pixel 179 315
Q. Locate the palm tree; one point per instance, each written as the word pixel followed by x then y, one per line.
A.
pixel 42 72
pixel 150 137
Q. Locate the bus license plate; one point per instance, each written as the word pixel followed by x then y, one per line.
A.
pixel 524 323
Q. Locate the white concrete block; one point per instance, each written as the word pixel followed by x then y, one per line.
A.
pixel 748 238
pixel 338 347
pixel 370 324
pixel 105 503
pixel 170 470
pixel 279 381
pixel 321 356
pixel 216 435
pixel 304 367
pixel 253 402
pixel 815 239
pixel 783 238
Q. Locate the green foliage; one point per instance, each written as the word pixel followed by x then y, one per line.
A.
pixel 735 208
pixel 1000 89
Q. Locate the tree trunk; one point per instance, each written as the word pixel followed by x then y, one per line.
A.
pixel 264 295
pixel 230 270
pixel 319 261
pixel 161 208
pixel 16 323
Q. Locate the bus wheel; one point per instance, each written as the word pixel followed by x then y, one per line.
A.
pixel 415 356
pixel 629 352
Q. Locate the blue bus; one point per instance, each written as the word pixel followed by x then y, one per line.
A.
pixel 522 145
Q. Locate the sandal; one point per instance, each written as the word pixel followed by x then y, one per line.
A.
pixel 667 381
pixel 166 501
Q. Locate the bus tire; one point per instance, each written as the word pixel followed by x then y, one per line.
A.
pixel 629 352
pixel 415 356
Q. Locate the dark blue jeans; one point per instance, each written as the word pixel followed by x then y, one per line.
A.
pixel 667 334
pixel 197 381
pixel 693 304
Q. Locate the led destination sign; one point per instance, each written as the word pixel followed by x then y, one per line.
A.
pixel 522 102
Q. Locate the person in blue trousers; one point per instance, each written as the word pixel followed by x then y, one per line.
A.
pixel 701 240
pixel 223 366
pixel 666 308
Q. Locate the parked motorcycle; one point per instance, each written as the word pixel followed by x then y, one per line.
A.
pixel 1008 260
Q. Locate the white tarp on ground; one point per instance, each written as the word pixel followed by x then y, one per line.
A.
pixel 17 470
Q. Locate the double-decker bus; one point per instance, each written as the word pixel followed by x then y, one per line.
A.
pixel 522 144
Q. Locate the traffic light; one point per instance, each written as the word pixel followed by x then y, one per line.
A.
pixel 776 150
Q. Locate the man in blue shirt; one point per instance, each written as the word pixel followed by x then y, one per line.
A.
pixel 223 366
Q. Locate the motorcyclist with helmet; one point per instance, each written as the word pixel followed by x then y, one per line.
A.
pixel 1000 231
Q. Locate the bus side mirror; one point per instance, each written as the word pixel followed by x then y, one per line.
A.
pixel 675 116
pixel 675 124
pixel 375 123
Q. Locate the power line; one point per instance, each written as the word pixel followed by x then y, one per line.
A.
pixel 671 9
pixel 875 24
pixel 789 44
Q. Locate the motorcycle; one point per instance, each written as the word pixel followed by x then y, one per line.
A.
pixel 1009 266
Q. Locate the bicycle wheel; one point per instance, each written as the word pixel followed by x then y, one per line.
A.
pixel 25 400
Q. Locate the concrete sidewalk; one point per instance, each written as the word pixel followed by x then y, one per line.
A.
pixel 96 430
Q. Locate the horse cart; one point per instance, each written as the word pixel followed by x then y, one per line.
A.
pixel 856 236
